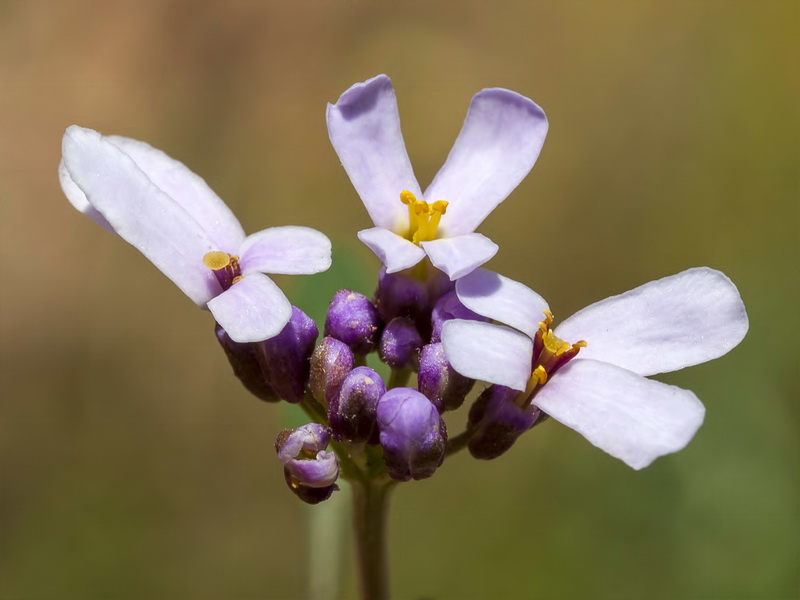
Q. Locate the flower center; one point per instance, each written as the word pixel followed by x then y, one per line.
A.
pixel 550 353
pixel 225 267
pixel 423 218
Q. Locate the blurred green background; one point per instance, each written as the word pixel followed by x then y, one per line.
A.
pixel 134 466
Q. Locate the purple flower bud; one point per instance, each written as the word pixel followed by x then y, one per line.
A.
pixel 413 435
pixel 247 362
pixel 400 343
pixel 439 382
pixel 353 319
pixel 310 471
pixel 352 412
pixel 400 295
pixel 449 307
pixel 331 362
pixel 497 422
pixel 286 356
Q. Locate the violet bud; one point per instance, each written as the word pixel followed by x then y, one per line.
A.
pixel 286 356
pixel 331 362
pixel 439 382
pixel 354 320
pixel 400 295
pixel 413 435
pixel 247 362
pixel 310 471
pixel 400 343
pixel 496 422
pixel 352 412
pixel 449 307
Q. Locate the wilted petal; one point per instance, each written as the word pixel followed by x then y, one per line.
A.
pixel 364 128
pixel 497 147
pixel 488 352
pixel 140 212
pixel 661 326
pixel 188 190
pixel 502 299
pixel 288 250
pixel 632 418
pixel 78 199
pixel 252 310
pixel 396 253
pixel 457 256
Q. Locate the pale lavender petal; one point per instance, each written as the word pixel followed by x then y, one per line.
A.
pixel 78 199
pixel 661 326
pixel 140 212
pixel 364 128
pixel 187 189
pixel 252 310
pixel 488 352
pixel 502 299
pixel 396 253
pixel 288 250
pixel 497 147
pixel 632 418
pixel 458 256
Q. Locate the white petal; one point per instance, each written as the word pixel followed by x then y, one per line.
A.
pixel 288 250
pixel 632 418
pixel 78 199
pixel 488 352
pixel 497 147
pixel 252 310
pixel 395 252
pixel 187 189
pixel 140 212
pixel 502 299
pixel 460 255
pixel 661 326
pixel 364 128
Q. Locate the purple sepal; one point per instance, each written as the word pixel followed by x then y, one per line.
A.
pixel 247 363
pixel 405 295
pixel 413 435
pixel 353 319
pixel 286 356
pixel 306 440
pixel 352 412
pixel 496 422
pixel 437 380
pixel 322 471
pixel 400 343
pixel 331 362
pixel 310 471
pixel 449 307
pixel 309 495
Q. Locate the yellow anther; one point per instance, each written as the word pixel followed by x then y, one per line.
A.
pixel 540 373
pixel 236 279
pixel 440 206
pixel 554 344
pixel 548 317
pixel 216 260
pixel 421 207
pixel 580 344
pixel 407 197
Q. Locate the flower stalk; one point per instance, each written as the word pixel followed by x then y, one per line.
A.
pixel 370 509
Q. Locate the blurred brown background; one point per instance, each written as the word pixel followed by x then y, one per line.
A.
pixel 134 466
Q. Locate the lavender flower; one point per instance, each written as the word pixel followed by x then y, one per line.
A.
pixel 665 325
pixel 497 147
pixel 172 217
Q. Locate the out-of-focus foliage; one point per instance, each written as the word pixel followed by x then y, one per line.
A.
pixel 134 466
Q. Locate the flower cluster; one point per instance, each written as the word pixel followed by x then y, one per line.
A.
pixel 437 320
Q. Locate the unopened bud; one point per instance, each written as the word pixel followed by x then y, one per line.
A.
pixel 413 435
pixel 331 362
pixel 310 471
pixel 449 307
pixel 400 343
pixel 354 320
pixel 352 413
pixel 439 382
pixel 286 356
pixel 248 365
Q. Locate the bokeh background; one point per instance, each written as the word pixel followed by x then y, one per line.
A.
pixel 134 466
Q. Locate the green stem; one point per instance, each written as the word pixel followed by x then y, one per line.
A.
pixel 370 503
pixel 458 443
pixel 399 378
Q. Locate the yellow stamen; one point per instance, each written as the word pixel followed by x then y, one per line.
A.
pixel 540 373
pixel 423 218
pixel 236 279
pixel 410 199
pixel 216 260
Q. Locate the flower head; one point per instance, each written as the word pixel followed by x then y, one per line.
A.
pixel 497 147
pixel 590 372
pixel 172 217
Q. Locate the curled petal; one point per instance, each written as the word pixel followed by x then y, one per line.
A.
pixel 458 256
pixel 502 299
pixel 488 352
pixel 497 147
pixel 662 326
pixel 252 310
pixel 186 188
pixel 78 199
pixel 396 253
pixel 140 212
pixel 632 418
pixel 364 128
pixel 287 250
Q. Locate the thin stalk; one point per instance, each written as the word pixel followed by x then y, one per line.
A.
pixel 370 503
